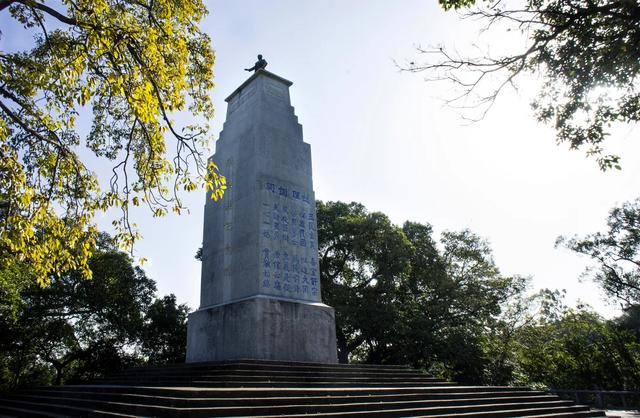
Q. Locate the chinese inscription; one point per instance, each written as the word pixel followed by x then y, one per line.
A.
pixel 289 241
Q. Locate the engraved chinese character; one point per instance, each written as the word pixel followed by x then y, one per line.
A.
pixel 295 194
pixel 271 187
pixel 266 213
pixel 283 191
pixel 277 286
pixel 276 262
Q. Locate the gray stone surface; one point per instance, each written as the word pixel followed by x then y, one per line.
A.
pixel 261 239
pixel 623 414
pixel 263 328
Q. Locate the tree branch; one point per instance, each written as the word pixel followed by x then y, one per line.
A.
pixel 5 3
pixel 52 12
pixel 29 130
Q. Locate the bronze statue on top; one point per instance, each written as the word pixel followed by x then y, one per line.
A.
pixel 259 65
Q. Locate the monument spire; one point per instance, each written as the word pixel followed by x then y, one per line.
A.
pixel 260 284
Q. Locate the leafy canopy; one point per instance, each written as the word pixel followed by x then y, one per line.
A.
pixel 78 330
pixel 560 347
pixel 616 253
pixel 164 336
pixel 402 299
pixel 76 326
pixel 585 52
pixel 133 64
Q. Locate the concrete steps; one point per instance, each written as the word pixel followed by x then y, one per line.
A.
pixel 281 389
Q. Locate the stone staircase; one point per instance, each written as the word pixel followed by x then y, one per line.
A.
pixel 251 388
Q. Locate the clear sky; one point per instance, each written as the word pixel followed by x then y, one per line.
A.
pixel 383 138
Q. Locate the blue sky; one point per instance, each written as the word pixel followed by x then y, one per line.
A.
pixel 383 138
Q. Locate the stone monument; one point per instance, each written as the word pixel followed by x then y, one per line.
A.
pixel 260 285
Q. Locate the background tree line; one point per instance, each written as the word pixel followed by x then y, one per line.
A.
pixel 401 294
pixel 441 304
pixel 77 329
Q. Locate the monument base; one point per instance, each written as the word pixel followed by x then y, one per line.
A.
pixel 263 328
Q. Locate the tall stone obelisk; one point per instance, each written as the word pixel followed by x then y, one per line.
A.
pixel 260 294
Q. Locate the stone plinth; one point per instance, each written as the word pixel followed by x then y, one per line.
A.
pixel 260 285
pixel 263 328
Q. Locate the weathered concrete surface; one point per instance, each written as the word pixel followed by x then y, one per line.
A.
pixel 263 328
pixel 261 239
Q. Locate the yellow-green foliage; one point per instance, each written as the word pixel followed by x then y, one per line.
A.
pixel 132 64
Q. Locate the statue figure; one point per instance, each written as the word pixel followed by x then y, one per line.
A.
pixel 260 64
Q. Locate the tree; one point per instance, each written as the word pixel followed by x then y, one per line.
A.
pixel 134 64
pixel 538 341
pixel 502 340
pixel 399 299
pixel 164 337
pixel 586 53
pixel 579 350
pixel 616 253
pixel 630 320
pixel 80 328
pixel 362 256
pixel 456 292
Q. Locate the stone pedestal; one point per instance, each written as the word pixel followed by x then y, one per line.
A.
pixel 260 285
pixel 263 328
